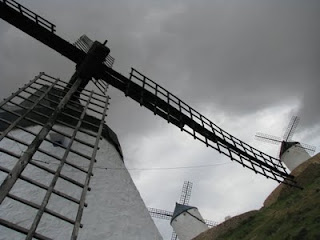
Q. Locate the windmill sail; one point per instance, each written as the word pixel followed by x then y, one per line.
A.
pixel 186 193
pixel 35 110
pixel 291 129
pixel 291 153
pixel 158 213
pixel 286 142
pixel 268 138
pixel 163 103
pixel 183 204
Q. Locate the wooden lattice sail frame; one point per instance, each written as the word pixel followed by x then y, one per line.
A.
pixel 46 103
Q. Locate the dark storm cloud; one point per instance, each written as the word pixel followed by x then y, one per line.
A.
pixel 241 56
pixel 245 55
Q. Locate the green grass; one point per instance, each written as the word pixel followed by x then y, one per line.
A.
pixel 295 215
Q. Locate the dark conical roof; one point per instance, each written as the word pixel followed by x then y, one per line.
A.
pixel 179 209
pixel 285 146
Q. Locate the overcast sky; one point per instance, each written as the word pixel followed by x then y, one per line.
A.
pixel 246 65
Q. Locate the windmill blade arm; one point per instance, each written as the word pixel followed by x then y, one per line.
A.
pixel 186 193
pixel 291 128
pixel 174 236
pixel 163 103
pixel 158 213
pixel 310 149
pixel 211 223
pixel 38 28
pixel 268 138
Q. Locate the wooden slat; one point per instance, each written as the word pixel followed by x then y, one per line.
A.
pixel 40 185
pixel 20 229
pixel 88 177
pixel 9 181
pixel 37 206
pixel 59 169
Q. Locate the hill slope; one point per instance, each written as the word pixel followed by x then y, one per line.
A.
pixel 288 213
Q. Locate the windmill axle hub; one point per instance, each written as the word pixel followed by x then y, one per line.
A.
pixel 90 66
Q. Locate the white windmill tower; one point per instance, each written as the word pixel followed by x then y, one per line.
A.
pixel 52 193
pixel 185 220
pixel 54 143
pixel 292 153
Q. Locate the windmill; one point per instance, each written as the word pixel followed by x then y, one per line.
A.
pixel 183 204
pixel 292 153
pixel 48 101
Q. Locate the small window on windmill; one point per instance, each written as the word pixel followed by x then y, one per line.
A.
pixel 58 139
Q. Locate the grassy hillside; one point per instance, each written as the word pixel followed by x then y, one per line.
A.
pixel 293 215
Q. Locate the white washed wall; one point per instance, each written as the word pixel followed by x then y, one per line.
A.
pixel 115 208
pixel 294 156
pixel 187 226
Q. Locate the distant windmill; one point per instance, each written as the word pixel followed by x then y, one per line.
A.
pixel 181 207
pixel 292 153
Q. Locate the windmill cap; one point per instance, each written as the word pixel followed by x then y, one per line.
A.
pixel 179 209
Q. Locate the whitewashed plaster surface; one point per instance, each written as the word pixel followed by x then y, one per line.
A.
pixel 115 208
pixel 187 225
pixel 294 156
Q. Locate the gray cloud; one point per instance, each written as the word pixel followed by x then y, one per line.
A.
pixel 247 54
